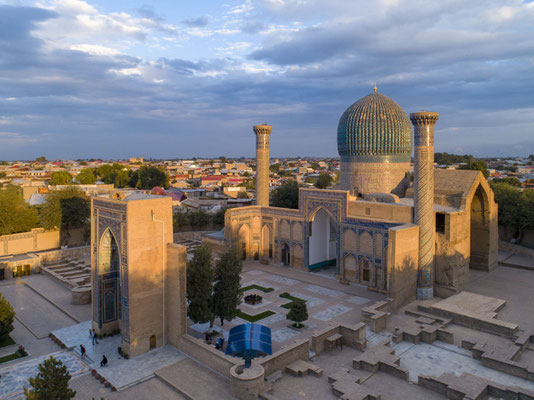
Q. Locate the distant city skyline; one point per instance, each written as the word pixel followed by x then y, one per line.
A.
pixel 176 79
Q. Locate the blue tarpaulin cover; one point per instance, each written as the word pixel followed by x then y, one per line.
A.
pixel 249 341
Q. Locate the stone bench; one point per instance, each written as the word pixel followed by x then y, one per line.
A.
pixel 302 368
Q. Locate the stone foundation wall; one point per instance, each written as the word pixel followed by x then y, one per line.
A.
pixel 282 358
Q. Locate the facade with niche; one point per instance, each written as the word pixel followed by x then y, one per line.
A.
pixel 376 231
pixel 137 273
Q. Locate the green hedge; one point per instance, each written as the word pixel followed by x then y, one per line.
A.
pixel 254 318
pixel 258 287
pixel 286 295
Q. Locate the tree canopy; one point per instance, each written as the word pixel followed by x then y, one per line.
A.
pixel 286 196
pixel 510 181
pixel 15 214
pixel 7 315
pixel 477 165
pixel 52 382
pixel 60 178
pixel 200 276
pixel 66 208
pixel 86 177
pixel 448 159
pixel 323 181
pixel 516 206
pixel 151 176
pixel 226 293
pixel 298 312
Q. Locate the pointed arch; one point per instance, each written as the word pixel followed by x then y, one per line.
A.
pixel 109 253
pixel 349 268
pixel 266 243
pixel 244 240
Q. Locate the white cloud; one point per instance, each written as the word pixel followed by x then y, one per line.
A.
pixel 95 49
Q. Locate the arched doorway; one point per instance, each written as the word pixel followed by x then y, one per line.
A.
pixel 480 233
pixel 243 238
pixel 286 254
pixel 152 342
pixel 108 268
pixel 322 241
pixel 365 271
pixel 266 247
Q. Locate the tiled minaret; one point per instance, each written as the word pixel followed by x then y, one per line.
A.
pixel 262 163
pixel 423 123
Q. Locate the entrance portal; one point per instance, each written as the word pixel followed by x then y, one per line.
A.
pixel 322 241
pixel 286 256
pixel 479 231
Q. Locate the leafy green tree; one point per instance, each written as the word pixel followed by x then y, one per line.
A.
pixel 134 178
pixel 242 195
pixel 41 159
pixel 199 218
pixel 323 181
pixel 531 157
pixel 448 159
pixel 218 217
pixel 180 220
pixel 150 176
pixel 200 276
pixel 226 293
pixel 477 165
pixel 60 178
pixel 15 214
pixel 286 196
pixel 86 177
pixel 51 383
pixel 510 181
pixel 67 209
pixel 298 313
pixel 2 174
pixel 507 197
pixel 315 166
pixel 122 179
pixel 7 315
pixel 275 168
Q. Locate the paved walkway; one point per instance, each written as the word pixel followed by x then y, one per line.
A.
pixel 509 259
pixel 328 302
pixel 121 373
pixel 15 378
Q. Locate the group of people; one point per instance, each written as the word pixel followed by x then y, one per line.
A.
pixel 219 343
pixel 94 337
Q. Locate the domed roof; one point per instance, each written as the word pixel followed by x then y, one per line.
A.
pixel 374 129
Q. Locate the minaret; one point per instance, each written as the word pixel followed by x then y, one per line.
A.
pixel 262 163
pixel 423 123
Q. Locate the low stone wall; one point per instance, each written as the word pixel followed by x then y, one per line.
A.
pixel 282 358
pixel 353 336
pixel 218 246
pixel 190 235
pixel 516 249
pixel 208 355
pixel 61 254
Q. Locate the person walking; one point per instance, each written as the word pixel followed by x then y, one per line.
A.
pixel 95 338
pixel 104 361
pixel 82 350
pixel 90 332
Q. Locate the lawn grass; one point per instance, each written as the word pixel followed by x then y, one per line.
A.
pixel 9 357
pixel 286 295
pixel 258 287
pixel 6 341
pixel 256 317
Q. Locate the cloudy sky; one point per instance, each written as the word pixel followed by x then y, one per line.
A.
pixel 177 78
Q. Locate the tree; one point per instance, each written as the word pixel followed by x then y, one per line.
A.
pixel 41 159
pixel 199 218
pixel 226 293
pixel 15 214
pixel 60 178
pixel 218 217
pixel 286 196
pixel 179 220
pixel 150 176
pixel 52 382
pixel 122 179
pixel 7 315
pixel 477 165
pixel 323 181
pixel 510 181
pixel 222 160
pixel 200 276
pixel 2 175
pixel 242 195
pixel 67 209
pixel 298 313
pixel 86 177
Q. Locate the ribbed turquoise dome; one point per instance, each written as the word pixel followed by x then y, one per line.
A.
pixel 374 129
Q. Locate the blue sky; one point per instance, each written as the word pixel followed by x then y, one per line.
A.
pixel 169 79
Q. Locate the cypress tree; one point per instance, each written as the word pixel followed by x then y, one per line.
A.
pixel 51 383
pixel 226 293
pixel 200 285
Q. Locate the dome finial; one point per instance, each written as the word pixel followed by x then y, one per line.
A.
pixel 374 88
